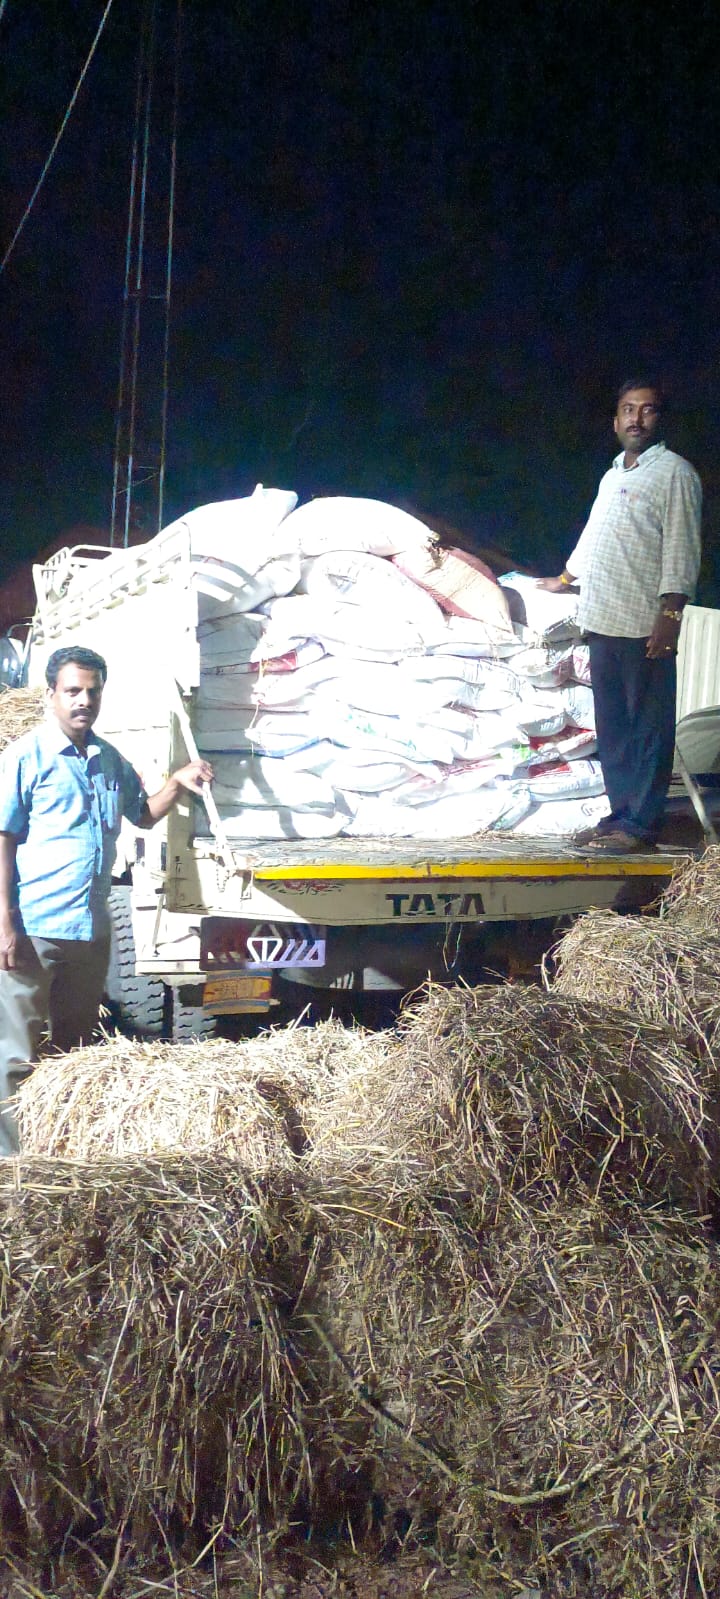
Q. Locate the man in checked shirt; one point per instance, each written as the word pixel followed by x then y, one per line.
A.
pixel 636 563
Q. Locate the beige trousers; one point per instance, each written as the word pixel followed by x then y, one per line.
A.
pixel 56 986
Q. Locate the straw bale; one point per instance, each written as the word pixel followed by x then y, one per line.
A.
pixel 660 970
pixel 188 1350
pixel 143 1373
pixel 20 710
pixel 692 897
pixel 127 1097
pixel 544 1387
pixel 511 1087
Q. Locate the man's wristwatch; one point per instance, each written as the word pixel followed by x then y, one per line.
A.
pixel 672 616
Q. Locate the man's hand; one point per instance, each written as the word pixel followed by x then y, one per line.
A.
pixel 190 777
pixel 663 640
pixel 194 775
pixel 8 946
pixel 556 585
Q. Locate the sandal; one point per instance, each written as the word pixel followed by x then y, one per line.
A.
pixel 619 843
pixel 588 835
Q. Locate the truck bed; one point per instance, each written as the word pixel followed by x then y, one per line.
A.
pixel 489 856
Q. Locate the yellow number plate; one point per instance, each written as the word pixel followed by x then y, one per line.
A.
pixel 233 994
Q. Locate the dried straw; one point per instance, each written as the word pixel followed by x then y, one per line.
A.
pixel 188 1352
pixel 467 1303
pixel 543 1386
pixel 692 898
pixel 123 1097
pixel 508 1087
pixel 20 710
pixel 143 1372
pixel 660 970
pixel 505 1087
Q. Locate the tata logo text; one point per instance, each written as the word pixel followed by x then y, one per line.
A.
pixel 446 907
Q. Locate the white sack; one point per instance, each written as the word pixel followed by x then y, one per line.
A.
pixel 544 666
pixel 571 780
pixel 258 732
pixel 543 718
pixel 550 616
pixel 463 636
pixel 581 663
pixel 293 690
pixel 239 552
pixel 268 783
pixel 382 688
pixel 344 522
pixel 572 744
pixel 563 818
pixel 460 584
pixel 360 770
pixel 233 584
pixel 260 825
pixel 346 629
pixel 459 817
pixel 389 736
pixel 465 777
pixel 579 705
pixel 232 639
pixel 374 585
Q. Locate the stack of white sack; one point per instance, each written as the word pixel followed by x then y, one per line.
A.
pixel 381 689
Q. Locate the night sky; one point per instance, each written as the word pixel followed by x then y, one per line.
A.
pixel 417 250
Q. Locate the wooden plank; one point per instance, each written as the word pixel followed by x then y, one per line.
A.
pixel 354 859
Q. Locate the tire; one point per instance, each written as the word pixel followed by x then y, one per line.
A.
pixel 189 1021
pixel 136 1004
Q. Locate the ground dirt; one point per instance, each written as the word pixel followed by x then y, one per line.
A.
pixel 303 1574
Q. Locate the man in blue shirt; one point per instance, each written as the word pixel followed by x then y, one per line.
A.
pixel 63 794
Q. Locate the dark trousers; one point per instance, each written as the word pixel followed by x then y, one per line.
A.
pixel 635 719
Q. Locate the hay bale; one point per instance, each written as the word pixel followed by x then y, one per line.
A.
pixel 660 970
pixel 502 1086
pixel 508 1087
pixel 543 1385
pixel 144 1380
pixel 189 1351
pixel 124 1097
pixel 692 898
pixel 20 710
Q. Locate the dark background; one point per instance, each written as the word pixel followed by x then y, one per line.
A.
pixel 417 249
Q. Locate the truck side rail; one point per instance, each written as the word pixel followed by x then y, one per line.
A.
pixel 72 589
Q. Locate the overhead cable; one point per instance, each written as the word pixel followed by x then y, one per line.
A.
pixel 58 137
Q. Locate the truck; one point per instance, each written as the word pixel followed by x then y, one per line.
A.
pixel 204 929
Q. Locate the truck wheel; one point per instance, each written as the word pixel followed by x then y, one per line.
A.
pixel 136 1004
pixel 188 1020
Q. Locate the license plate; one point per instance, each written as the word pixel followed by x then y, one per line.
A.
pixel 234 995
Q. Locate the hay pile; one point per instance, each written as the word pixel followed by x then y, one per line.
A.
pixel 186 1350
pixel 145 1383
pixel 20 710
pixel 507 1088
pixel 124 1097
pixel 544 1386
pixel 692 898
pixel 661 970
pixel 465 1310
